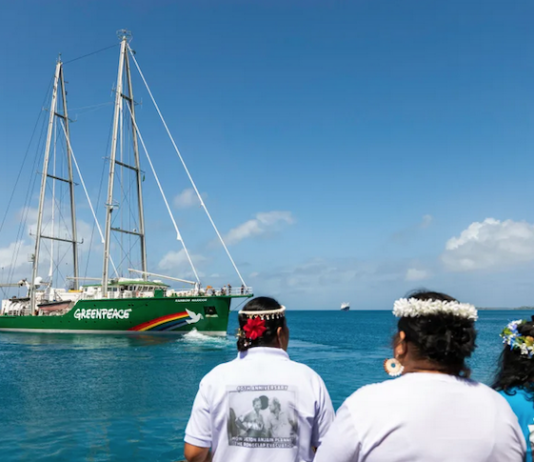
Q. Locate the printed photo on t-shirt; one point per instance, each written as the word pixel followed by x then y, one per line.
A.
pixel 262 416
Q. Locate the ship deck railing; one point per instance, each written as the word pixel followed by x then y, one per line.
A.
pixel 245 291
pixel 234 291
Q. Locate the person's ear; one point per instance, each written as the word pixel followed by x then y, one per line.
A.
pixel 400 345
pixel 282 336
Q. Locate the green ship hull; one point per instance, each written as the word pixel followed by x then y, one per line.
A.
pixel 165 315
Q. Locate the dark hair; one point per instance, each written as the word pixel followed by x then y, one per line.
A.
pixel 444 339
pixel 271 325
pixel 264 401
pixel 516 370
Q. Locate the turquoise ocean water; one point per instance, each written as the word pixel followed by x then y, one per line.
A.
pixel 100 398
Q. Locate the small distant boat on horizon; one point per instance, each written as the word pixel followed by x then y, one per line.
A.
pixel 345 306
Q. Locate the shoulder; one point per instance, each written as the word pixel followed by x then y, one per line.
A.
pixel 306 372
pixel 373 395
pixel 218 373
pixel 518 399
pixel 411 387
pixel 499 398
pixel 379 390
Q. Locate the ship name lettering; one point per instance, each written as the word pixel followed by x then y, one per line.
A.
pixel 182 300
pixel 102 313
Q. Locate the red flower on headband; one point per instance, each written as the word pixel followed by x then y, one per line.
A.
pixel 254 328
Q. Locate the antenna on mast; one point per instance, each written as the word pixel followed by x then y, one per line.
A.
pixel 124 34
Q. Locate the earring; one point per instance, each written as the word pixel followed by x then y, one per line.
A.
pixel 393 367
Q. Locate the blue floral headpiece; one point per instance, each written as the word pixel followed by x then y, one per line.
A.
pixel 511 337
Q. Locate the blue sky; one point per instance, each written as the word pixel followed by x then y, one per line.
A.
pixel 350 151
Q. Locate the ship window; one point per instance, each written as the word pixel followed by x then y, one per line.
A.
pixel 210 311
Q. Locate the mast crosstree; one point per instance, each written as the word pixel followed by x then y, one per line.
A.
pixel 58 92
pixel 123 94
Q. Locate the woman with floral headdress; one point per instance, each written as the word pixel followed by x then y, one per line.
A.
pixel 433 411
pixel 222 427
pixel 515 377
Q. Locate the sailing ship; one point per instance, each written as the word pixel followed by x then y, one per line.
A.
pixel 113 304
pixel 345 306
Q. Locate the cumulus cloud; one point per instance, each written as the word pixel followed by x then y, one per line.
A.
pixel 177 261
pixel 490 244
pixel 263 223
pixel 17 255
pixel 20 249
pixel 414 274
pixel 187 198
pixel 61 224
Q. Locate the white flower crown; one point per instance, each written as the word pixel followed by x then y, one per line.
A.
pixel 413 307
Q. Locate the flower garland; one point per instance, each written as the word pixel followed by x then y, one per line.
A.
pixel 511 337
pixel 413 307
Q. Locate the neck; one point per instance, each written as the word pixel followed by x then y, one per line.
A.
pixel 411 366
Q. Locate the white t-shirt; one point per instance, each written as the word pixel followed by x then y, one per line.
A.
pixel 260 407
pixel 424 417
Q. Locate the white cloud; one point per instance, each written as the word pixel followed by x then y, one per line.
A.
pixel 61 225
pixel 187 198
pixel 177 261
pixel 490 244
pixel 426 221
pixel 264 222
pixel 19 248
pixel 414 274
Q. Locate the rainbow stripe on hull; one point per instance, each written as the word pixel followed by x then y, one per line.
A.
pixel 164 323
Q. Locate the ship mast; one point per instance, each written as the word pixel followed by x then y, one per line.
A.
pixel 59 87
pixel 120 95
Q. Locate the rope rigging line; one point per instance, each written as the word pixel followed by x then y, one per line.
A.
pixel 185 167
pixel 238 306
pixel 85 190
pixel 92 53
pixel 178 235
pixel 102 176
pixel 93 106
pixel 25 157
pixel 29 192
pixel 126 257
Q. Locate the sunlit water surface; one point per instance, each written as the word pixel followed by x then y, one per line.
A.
pixel 100 398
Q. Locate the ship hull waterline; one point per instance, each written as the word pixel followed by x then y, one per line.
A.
pixel 131 316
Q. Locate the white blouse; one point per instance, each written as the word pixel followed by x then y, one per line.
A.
pixel 424 417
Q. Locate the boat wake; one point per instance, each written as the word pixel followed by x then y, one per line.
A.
pixel 195 336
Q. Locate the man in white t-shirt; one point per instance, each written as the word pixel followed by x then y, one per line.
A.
pixel 262 406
